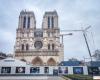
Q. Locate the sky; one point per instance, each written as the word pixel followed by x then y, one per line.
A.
pixel 73 15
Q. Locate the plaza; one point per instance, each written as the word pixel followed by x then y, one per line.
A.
pixel 31 78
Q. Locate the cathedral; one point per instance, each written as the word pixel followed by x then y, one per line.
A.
pixel 39 46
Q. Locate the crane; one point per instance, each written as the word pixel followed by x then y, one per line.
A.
pixel 84 35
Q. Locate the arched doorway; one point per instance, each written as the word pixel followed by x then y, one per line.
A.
pixel 51 62
pixel 37 61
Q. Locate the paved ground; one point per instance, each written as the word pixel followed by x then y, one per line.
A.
pixel 30 78
pixel 55 78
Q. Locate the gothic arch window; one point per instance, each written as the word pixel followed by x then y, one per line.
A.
pixel 24 22
pixel 27 47
pixel 51 62
pixel 50 34
pixel 48 46
pixel 48 22
pixel 53 46
pixel 22 46
pixel 28 23
pixel 52 21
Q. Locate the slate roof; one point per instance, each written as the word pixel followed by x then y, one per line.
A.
pixel 70 63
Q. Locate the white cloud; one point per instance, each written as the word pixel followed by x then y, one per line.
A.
pixel 73 14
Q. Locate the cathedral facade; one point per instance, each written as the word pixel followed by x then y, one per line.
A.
pixel 39 46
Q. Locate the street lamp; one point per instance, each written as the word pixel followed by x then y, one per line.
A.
pixel 62 36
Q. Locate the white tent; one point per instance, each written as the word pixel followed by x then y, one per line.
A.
pixel 12 62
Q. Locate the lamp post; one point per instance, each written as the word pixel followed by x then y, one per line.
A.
pixel 62 36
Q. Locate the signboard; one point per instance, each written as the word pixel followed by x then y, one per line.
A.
pixel 6 70
pixel 60 70
pixel 78 70
pixel 66 70
pixel 55 72
pixel 93 70
pixel 63 70
pixel 20 69
pixel 34 70
pixel 46 69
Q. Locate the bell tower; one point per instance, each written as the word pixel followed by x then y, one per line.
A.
pixel 24 33
pixel 27 20
pixel 51 33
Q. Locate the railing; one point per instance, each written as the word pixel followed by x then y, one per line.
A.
pixel 39 54
pixel 37 50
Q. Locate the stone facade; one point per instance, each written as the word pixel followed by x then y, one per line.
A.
pixel 39 46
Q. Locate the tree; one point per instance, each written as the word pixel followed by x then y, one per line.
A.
pixel 73 59
pixel 97 55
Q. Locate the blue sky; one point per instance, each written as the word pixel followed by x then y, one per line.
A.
pixel 73 14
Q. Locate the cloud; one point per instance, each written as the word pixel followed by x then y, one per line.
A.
pixel 73 14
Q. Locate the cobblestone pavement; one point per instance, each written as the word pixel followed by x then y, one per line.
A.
pixel 31 78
